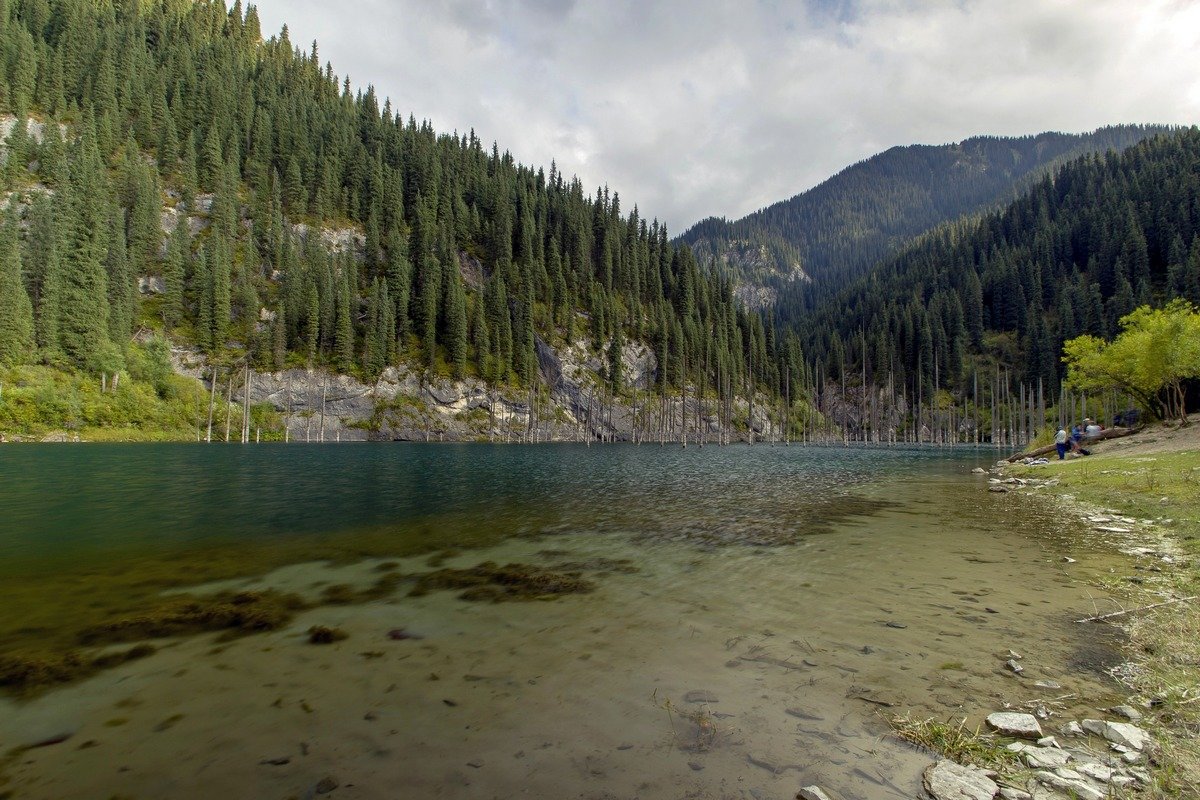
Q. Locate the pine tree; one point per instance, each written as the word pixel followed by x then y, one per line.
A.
pixel 16 310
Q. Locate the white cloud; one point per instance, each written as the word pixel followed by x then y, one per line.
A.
pixel 715 107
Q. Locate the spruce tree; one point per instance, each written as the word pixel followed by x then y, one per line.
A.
pixel 456 326
pixel 122 294
pixel 83 317
pixel 178 252
pixel 16 310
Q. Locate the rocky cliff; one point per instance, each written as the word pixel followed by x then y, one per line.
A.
pixel 406 404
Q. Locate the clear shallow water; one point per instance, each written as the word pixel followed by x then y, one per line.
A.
pixel 767 580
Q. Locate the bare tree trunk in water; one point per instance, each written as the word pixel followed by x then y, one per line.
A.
pixel 212 400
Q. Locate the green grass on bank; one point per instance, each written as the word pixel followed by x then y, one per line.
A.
pixel 39 400
pixel 149 402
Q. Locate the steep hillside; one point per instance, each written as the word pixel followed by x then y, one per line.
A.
pixel 433 253
pixel 1085 246
pixel 837 230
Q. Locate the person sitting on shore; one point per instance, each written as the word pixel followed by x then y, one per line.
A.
pixel 1091 431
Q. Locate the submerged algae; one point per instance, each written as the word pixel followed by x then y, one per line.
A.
pixel 241 613
pixel 244 612
pixel 489 582
pixel 30 672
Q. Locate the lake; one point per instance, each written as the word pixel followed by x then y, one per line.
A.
pixel 754 615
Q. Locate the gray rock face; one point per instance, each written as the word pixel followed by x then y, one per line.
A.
pixel 1024 726
pixel 1121 733
pixel 152 284
pixel 946 780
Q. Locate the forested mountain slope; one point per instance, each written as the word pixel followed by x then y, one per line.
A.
pixel 839 229
pixel 452 257
pixel 1085 246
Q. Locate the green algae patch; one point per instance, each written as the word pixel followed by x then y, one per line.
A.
pixel 319 634
pixel 243 612
pixel 28 673
pixel 25 672
pixel 488 582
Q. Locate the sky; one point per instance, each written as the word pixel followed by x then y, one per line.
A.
pixel 719 108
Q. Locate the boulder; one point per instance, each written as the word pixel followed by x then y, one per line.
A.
pixel 1024 726
pixel 1119 733
pixel 947 780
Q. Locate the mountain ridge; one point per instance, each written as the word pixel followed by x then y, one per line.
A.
pixel 839 228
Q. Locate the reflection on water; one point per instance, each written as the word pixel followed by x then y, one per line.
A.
pixel 774 652
pixel 64 500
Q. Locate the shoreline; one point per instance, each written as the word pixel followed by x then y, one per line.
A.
pixel 1146 489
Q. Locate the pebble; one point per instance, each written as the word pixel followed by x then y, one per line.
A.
pixel 327 785
pixel 1014 666
pixel 1072 728
pixel 1053 685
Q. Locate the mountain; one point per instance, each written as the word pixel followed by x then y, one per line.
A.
pixel 824 237
pixel 287 219
pixel 999 293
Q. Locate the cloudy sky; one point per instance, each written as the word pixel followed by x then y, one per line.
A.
pixel 714 107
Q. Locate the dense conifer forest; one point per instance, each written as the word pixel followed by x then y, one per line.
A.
pixel 443 252
pixel 981 307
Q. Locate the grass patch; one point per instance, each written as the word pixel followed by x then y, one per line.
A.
pixel 956 742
